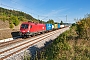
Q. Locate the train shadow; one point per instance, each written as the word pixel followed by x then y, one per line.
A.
pixel 15 35
pixel 34 50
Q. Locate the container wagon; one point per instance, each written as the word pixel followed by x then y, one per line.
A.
pixel 58 26
pixel 55 26
pixel 48 27
pixel 62 26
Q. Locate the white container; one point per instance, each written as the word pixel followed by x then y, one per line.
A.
pixel 62 26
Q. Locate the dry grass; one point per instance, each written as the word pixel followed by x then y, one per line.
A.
pixel 7 33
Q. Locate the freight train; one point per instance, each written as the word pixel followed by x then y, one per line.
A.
pixel 29 28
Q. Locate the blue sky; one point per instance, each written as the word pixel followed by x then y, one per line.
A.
pixel 50 9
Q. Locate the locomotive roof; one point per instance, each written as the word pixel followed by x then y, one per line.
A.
pixel 31 23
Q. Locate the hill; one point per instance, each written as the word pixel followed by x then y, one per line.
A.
pixel 10 21
pixel 6 14
pixel 14 17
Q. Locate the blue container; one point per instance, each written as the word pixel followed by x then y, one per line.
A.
pixel 58 25
pixel 48 26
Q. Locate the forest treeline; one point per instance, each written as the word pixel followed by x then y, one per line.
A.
pixel 14 17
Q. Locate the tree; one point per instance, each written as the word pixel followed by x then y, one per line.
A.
pixel 21 18
pixel 50 21
pixel 15 20
pixel 61 23
pixel 11 25
pixel 83 28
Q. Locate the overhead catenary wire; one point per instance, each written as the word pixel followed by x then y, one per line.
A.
pixel 39 17
pixel 29 8
pixel 13 8
pixel 24 6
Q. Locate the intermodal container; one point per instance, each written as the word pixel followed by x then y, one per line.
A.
pixel 48 26
pixel 55 26
pixel 62 26
pixel 52 26
pixel 58 25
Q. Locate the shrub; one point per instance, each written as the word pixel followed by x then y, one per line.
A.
pixel 14 20
pixel 11 25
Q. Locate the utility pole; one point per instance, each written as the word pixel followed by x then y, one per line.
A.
pixel 38 17
pixel 66 18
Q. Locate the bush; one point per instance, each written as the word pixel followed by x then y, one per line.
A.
pixel 11 25
pixel 14 20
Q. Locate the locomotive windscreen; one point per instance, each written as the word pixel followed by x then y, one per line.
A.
pixel 25 26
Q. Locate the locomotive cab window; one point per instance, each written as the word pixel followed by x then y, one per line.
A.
pixel 25 26
pixel 31 26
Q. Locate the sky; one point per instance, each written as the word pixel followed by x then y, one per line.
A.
pixel 58 10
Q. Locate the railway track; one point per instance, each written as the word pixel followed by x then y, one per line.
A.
pixel 25 44
pixel 4 44
pixel 14 41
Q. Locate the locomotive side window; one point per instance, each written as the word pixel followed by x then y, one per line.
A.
pixel 31 26
pixel 25 26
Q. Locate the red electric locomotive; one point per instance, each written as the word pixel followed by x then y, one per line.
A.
pixel 30 28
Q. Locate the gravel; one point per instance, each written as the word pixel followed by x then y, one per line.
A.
pixel 31 51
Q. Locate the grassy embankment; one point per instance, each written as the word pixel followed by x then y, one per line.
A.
pixel 68 46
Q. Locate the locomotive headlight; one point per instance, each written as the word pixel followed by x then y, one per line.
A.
pixel 27 31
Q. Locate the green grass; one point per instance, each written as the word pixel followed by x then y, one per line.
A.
pixel 65 47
